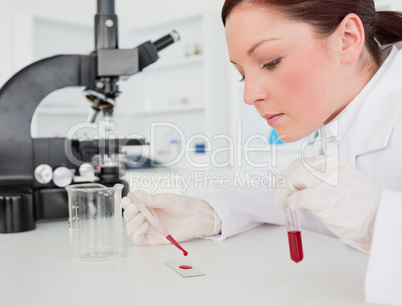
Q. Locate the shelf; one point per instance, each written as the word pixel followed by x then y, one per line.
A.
pixel 174 63
pixel 61 111
pixel 173 109
pixel 159 93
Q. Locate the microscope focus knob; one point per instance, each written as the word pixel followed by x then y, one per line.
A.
pixel 43 174
pixel 87 170
pixel 62 177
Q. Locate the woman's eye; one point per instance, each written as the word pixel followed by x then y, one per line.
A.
pixel 272 65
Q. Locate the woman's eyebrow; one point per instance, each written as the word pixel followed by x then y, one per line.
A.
pixel 255 46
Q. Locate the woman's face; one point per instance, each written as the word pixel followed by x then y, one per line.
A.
pixel 291 76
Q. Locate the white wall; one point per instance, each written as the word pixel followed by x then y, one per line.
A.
pixel 131 13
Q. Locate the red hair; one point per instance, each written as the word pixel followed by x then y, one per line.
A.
pixel 384 27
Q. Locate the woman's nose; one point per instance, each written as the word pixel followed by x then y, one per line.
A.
pixel 253 92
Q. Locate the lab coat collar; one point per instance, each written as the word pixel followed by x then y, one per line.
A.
pixel 366 123
pixel 376 116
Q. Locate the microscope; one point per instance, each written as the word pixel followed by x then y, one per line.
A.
pixel 34 171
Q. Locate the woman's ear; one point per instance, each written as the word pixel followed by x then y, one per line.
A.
pixel 351 33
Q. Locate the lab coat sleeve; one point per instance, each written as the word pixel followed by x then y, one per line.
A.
pixel 248 203
pixel 384 272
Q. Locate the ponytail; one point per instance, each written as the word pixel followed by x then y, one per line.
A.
pixel 389 27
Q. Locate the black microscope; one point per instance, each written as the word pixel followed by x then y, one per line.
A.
pixel 34 171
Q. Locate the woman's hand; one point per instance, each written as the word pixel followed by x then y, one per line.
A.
pixel 342 197
pixel 183 217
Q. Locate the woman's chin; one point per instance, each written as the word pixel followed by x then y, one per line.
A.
pixel 293 136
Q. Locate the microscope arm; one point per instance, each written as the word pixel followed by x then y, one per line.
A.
pixel 19 98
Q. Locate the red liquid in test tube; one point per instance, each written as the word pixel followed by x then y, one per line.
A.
pixel 295 246
pixel 294 235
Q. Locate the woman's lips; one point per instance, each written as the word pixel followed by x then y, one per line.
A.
pixel 272 118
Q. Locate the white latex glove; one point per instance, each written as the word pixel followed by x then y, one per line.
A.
pixel 183 217
pixel 342 197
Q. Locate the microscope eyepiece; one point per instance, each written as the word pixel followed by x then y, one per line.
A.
pixel 166 40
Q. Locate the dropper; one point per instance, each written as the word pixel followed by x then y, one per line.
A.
pixel 141 207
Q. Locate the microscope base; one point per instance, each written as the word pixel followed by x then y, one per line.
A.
pixel 18 211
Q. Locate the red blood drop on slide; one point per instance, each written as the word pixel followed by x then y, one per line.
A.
pixel 185 267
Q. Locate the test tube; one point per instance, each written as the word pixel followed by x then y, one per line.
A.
pixel 294 235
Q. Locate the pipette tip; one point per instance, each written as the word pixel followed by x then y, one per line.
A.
pixel 158 226
pixel 174 242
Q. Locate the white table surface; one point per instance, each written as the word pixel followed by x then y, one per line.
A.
pixel 249 269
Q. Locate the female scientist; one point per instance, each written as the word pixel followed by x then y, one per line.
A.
pixel 313 65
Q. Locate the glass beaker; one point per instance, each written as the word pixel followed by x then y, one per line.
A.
pixel 95 221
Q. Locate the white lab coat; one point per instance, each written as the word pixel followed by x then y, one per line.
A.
pixel 373 144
